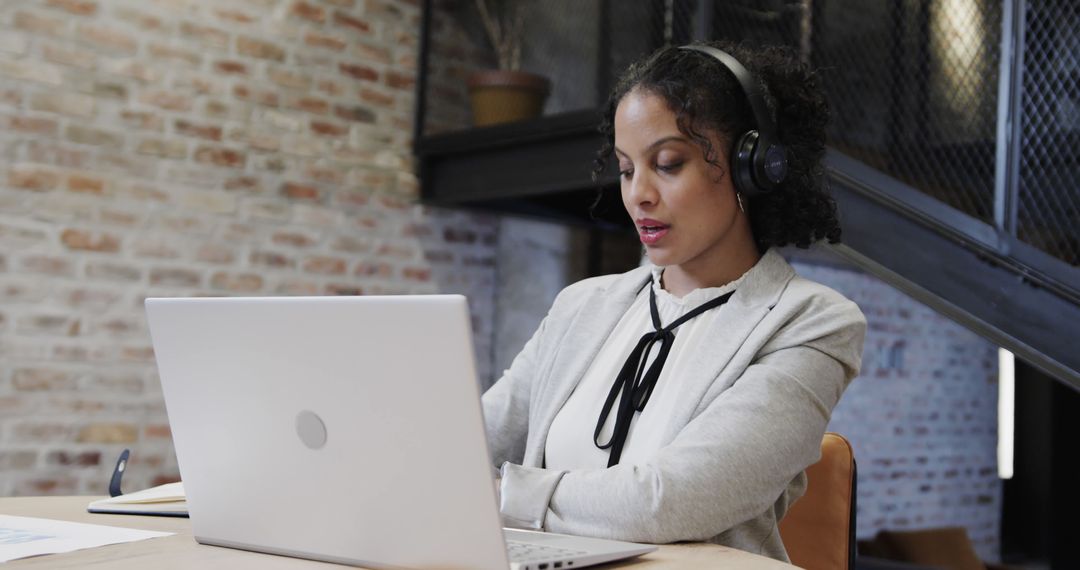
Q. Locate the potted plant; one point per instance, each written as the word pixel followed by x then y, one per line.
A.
pixel 505 94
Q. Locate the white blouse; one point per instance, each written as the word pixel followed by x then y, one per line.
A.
pixel 570 440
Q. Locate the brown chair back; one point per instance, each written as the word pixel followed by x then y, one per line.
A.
pixel 819 529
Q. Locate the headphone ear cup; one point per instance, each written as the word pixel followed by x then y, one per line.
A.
pixel 742 164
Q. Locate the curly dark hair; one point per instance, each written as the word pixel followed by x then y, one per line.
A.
pixel 706 97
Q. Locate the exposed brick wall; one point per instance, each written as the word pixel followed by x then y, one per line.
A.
pixel 922 416
pixel 194 147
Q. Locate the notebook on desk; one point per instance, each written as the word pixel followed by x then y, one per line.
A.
pixel 346 429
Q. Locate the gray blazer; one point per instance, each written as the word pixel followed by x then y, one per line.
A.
pixel 749 422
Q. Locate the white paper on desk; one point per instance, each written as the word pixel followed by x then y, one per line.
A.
pixel 21 537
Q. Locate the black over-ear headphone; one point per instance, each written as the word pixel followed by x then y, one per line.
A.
pixel 758 161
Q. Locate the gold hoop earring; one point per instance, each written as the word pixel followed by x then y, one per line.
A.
pixel 738 198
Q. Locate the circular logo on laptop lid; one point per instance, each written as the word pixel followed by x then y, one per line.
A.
pixel 311 429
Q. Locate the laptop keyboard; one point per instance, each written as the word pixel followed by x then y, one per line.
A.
pixel 532 552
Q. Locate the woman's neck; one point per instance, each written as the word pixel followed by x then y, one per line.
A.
pixel 679 280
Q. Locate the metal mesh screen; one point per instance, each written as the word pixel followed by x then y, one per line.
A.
pixel 913 91
pixel 1048 214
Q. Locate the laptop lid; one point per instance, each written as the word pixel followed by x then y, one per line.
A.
pixel 345 429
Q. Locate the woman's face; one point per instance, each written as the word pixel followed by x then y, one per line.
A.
pixel 683 207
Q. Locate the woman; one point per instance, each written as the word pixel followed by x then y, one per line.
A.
pixel 732 363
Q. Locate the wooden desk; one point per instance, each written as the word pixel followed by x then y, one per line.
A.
pixel 181 550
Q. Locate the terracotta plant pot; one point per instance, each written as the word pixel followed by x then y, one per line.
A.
pixel 506 96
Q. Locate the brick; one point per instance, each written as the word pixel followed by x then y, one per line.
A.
pixel 16 237
pixel 76 7
pixel 354 113
pixel 292 239
pixel 265 141
pixel 174 277
pixel 352 244
pixel 248 184
pixel 259 49
pixel 307 11
pixel 283 77
pixel 138 20
pixel 43 380
pixel 395 251
pixel 327 129
pixel 374 269
pixel 69 104
pixel 283 121
pixel 205 36
pixel 185 224
pixel 351 24
pixel 108 432
pixel 51 485
pixel 106 38
pixel 262 97
pixel 400 80
pixel 47 265
pixel 237 282
pixel 17 460
pixel 416 273
pixel 134 69
pixel 229 67
pixel 371 53
pixel 343 290
pixel 202 131
pixel 376 98
pixel 142 120
pixel 10 97
pixel 328 87
pixel 325 173
pixel 161 147
pixel 107 271
pixel 108 90
pixel 40 431
pixel 234 16
pixel 325 265
pixel 323 41
pixel 87 241
pixel 79 58
pixel 341 3
pixel 312 105
pixel 298 191
pixel 220 156
pixel 351 198
pixel 31 71
pixel 73 458
pixel 90 299
pixel 297 287
pixel 167 100
pixel 212 202
pixel 357 71
pixel 271 259
pixel 32 177
pixel 172 53
pixel 37 24
pixel 95 137
pixel 156 249
pixel 13 44
pixel 209 253
pixel 157 431
pixel 86 184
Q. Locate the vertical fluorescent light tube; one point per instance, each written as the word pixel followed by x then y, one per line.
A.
pixel 1006 401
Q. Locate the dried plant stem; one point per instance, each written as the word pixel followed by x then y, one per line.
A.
pixel 504 35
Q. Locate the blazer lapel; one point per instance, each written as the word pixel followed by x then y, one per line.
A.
pixel 753 299
pixel 586 334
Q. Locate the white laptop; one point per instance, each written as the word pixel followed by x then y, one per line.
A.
pixel 345 429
